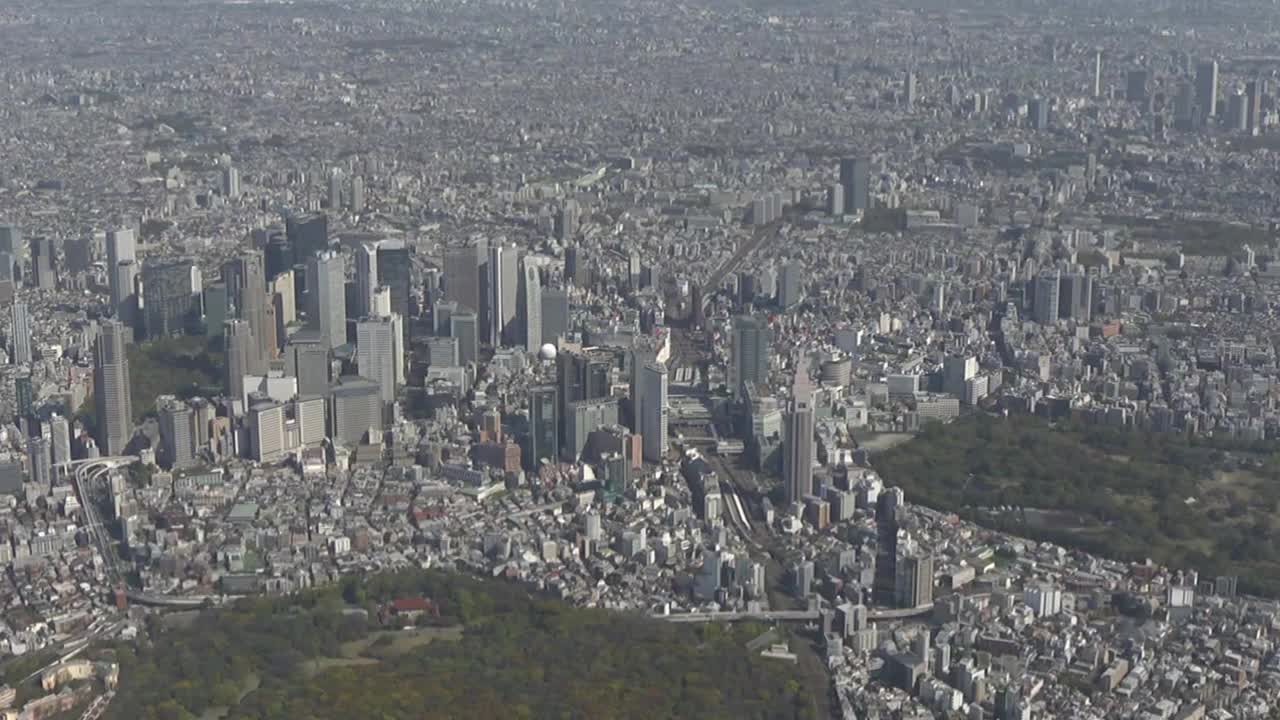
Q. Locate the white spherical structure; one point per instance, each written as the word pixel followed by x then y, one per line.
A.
pixel 548 352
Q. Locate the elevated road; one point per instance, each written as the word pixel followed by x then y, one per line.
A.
pixel 881 615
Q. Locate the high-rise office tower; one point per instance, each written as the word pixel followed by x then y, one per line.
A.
pixel 122 245
pixel 78 253
pixel 376 354
pixel 909 90
pixel 566 222
pixel 1207 88
pixel 555 313
pixel 307 235
pixel 177 433
pixel 355 408
pixel 1137 83
pixel 461 276
pixel 241 357
pixel 577 271
pixel 544 426
pixel 749 361
pixel 24 394
pixel 266 429
pixel 326 303
pixel 1097 73
pixel 20 334
pixel 8 277
pixel 366 278
pixel 40 460
pixel 442 352
pixel 382 309
pixel 111 389
pixel 1186 112
pixel 653 410
pixel 245 278
pixel 169 300
pixel 503 270
pixel 530 308
pixel 835 200
pixel 1045 307
pixel 855 178
pixel 915 581
pixel 60 439
pixel 798 450
pixel 1254 90
pixel 44 264
pixel 1075 297
pixel 230 182
pixel 1238 112
pixel 464 327
pixel 1038 113
pixel 357 194
pixel 124 294
pixel 395 271
pixel 306 356
pixel 10 239
pixel 335 189
pixel 277 255
pixel 791 285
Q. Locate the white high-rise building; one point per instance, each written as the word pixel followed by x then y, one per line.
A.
pixel 366 278
pixel 653 410
pixel 326 297
pixel 376 354
pixel 503 270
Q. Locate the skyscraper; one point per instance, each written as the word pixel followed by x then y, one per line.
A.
pixel 306 357
pixel 44 265
pixel 566 222
pixel 915 581
pixel 60 439
pixel 376 354
pixel 40 459
pixel 461 276
pixel 1207 88
pixel 749 361
pixel 177 433
pixel 464 327
pixel 357 194
pixel 355 410
pixel 326 304
pixel 530 308
pixel 395 271
pixel 653 410
pixel 1136 85
pixel 791 285
pixel 502 285
pixel 168 298
pixel 1254 90
pixel 909 90
pixel 241 357
pixel 230 182
pixel 1097 73
pixel 20 334
pixel 121 246
pixel 555 313
pixel 111 389
pixel 366 278
pixel 335 189
pixel 544 424
pixel 307 235
pixel 798 452
pixel 855 177
pixel 10 239
pixel 1045 308
pixel 124 294
pixel 245 278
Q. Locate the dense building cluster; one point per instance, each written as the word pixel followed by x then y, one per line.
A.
pixel 622 302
